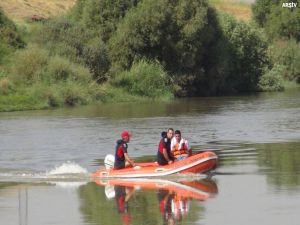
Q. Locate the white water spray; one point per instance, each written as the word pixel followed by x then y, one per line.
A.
pixel 68 168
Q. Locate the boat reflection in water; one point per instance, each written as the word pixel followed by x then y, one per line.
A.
pixel 174 197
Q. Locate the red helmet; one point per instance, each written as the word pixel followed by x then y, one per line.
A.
pixel 125 134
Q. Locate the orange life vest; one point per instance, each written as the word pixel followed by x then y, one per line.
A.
pixel 183 151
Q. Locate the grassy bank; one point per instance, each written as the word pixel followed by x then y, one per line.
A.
pixel 45 96
pixel 32 78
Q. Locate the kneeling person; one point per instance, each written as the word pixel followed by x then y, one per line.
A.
pixel 121 155
pixel 164 156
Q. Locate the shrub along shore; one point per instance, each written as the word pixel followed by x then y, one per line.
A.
pixel 145 50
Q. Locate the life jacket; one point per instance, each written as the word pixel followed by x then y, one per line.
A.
pixel 161 145
pixel 164 143
pixel 180 149
pixel 121 148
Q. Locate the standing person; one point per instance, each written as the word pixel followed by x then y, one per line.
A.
pixel 164 156
pixel 180 147
pixel 121 155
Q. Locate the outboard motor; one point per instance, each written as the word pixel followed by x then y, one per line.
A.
pixel 109 161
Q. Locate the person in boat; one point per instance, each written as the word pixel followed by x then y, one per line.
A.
pixel 164 156
pixel 180 147
pixel 121 156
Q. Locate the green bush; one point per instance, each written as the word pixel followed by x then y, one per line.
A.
pixel 204 53
pixel 173 32
pixel 261 9
pixel 144 79
pixel 241 55
pixel 74 41
pixel 283 22
pixel 272 80
pixel 101 16
pixel 29 64
pixel 36 65
pixel 10 38
pixel 9 33
pixel 4 51
pixel 74 94
pixel 278 22
pixel 62 69
pixel 6 86
pixel 95 55
pixel 287 54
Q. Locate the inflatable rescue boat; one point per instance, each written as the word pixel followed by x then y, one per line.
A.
pixel 198 163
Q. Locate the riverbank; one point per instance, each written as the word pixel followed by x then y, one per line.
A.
pixel 45 96
pixel 48 61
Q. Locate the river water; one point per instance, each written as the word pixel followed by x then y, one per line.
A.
pixel 46 158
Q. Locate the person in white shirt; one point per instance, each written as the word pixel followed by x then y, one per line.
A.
pixel 180 147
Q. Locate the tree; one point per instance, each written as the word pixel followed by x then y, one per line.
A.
pixel 101 16
pixel 279 22
pixel 9 33
pixel 261 9
pixel 246 52
pixel 172 32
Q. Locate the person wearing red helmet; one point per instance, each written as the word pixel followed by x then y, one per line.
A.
pixel 121 155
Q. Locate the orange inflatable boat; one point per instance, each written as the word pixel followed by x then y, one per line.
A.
pixel 198 163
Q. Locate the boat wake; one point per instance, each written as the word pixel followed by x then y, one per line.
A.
pixel 68 168
pixel 69 172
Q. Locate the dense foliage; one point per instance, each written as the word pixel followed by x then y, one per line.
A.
pixel 287 55
pixel 104 50
pixel 182 36
pixel 144 79
pixel 102 16
pixel 277 20
pixel 202 53
pixel 74 41
pixel 241 55
pixel 282 26
pixel 10 38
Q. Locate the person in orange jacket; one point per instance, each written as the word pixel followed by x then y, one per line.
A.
pixel 180 148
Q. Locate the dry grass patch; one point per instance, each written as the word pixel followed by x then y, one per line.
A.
pixel 19 10
pixel 5 86
pixel 240 10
